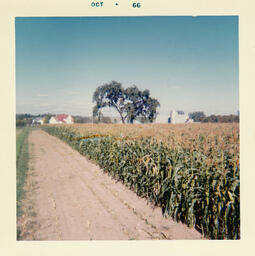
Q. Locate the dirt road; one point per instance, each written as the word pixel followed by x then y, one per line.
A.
pixel 70 198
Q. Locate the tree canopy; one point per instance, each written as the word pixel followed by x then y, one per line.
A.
pixel 131 103
pixel 197 116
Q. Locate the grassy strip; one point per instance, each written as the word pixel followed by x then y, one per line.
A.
pixel 200 190
pixel 22 158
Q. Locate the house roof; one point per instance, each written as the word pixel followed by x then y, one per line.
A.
pixel 61 117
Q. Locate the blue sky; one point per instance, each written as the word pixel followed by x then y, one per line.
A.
pixel 187 63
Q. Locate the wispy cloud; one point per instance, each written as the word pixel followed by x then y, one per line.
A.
pixel 69 92
pixel 77 108
pixel 42 95
pixel 79 103
pixel 175 87
pixel 45 105
pixel 73 93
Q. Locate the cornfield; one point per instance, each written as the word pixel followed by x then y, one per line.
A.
pixel 191 171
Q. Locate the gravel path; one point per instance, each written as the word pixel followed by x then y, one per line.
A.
pixel 74 200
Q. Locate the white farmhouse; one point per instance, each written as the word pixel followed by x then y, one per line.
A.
pixel 179 117
pixel 61 119
pixel 38 120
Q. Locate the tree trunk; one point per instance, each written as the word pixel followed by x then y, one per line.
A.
pixel 121 116
pixel 122 119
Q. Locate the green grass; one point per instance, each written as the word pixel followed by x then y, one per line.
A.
pixel 22 157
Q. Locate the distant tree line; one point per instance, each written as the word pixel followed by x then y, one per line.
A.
pixel 27 119
pixel 82 119
pixel 180 112
pixel 201 117
pixel 24 119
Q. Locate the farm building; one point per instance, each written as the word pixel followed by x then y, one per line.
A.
pixel 38 120
pixel 179 117
pixel 61 119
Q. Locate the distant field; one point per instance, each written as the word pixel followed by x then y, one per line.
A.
pixel 186 135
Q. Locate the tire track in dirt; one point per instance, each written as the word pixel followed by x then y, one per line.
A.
pixel 111 198
pixel 76 200
pixel 63 185
pixel 105 202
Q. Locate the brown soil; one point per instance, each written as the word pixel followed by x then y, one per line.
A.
pixel 70 198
